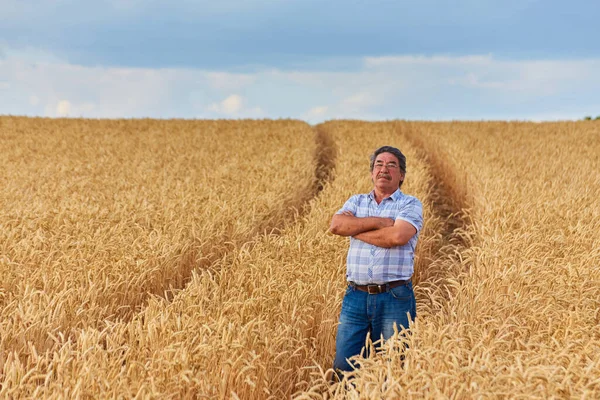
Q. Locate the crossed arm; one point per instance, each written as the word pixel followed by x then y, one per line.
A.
pixel 381 232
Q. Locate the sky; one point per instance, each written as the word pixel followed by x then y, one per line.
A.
pixel 303 59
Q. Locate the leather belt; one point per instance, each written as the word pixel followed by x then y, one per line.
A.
pixel 377 289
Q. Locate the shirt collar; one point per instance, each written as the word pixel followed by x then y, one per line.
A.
pixel 395 196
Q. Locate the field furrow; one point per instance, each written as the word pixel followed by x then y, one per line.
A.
pixel 445 236
pixel 448 203
pixel 98 216
pixel 521 317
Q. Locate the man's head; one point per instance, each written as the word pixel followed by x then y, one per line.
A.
pixel 388 167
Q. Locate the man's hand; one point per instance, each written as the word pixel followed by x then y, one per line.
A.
pixel 397 235
pixel 346 224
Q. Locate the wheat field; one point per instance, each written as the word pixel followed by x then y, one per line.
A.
pixel 191 259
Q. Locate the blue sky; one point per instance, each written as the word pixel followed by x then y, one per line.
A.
pixel 312 60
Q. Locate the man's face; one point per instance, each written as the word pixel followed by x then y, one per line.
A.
pixel 386 172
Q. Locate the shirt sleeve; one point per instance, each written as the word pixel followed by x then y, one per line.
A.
pixel 412 212
pixel 350 205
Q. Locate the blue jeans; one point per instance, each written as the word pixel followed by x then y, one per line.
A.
pixel 375 313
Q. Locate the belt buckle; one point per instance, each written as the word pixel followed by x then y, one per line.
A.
pixel 373 289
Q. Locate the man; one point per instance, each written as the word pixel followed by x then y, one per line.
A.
pixel 383 227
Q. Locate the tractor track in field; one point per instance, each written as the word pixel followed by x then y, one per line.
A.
pixel 217 249
pixel 442 245
pixel 324 162
pixel 449 205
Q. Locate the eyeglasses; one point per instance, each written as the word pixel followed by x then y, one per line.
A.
pixel 391 165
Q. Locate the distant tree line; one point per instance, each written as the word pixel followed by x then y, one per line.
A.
pixel 588 118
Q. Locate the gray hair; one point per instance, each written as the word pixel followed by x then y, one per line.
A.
pixel 392 150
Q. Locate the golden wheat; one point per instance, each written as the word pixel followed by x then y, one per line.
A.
pixel 98 215
pixel 522 318
pixel 100 218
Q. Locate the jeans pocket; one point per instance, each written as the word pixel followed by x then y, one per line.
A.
pixel 348 289
pixel 402 292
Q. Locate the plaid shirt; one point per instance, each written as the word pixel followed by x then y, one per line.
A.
pixel 369 264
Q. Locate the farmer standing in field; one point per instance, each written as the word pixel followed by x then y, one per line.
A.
pixel 383 227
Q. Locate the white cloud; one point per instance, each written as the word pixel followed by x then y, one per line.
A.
pixel 28 55
pixel 317 111
pixel 315 114
pixel 359 100
pixel 524 77
pixel 91 92
pixel 230 106
pixel 472 79
pixel 411 87
pixel 229 81
pixel 63 108
pixel 234 106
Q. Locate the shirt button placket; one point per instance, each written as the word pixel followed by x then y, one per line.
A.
pixel 374 211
